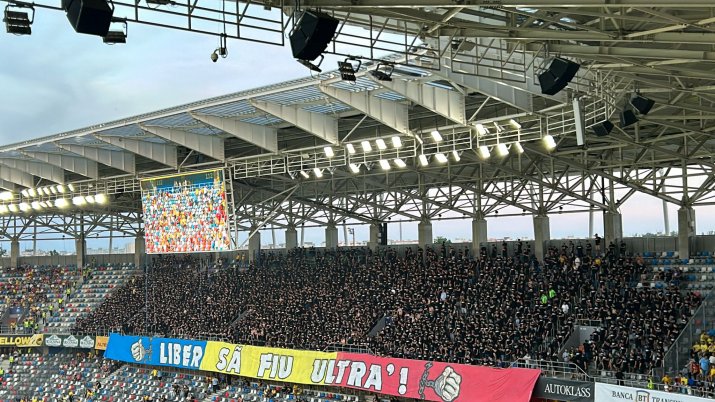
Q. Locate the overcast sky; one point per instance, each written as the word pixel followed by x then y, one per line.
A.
pixel 56 80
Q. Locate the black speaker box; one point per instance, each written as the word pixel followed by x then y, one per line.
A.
pixel 603 128
pixel 91 17
pixel 312 35
pixel 628 118
pixel 557 76
pixel 643 105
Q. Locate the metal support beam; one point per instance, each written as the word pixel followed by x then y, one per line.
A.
pixel 320 125
pixel 265 137
pixel 39 169
pixel 17 176
pixel 390 113
pixel 117 159
pixel 445 102
pixel 72 163
pixel 163 153
pixel 209 145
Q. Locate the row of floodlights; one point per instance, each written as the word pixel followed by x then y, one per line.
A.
pixel 60 203
pixel 46 191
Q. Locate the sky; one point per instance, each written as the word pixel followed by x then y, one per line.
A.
pixel 57 80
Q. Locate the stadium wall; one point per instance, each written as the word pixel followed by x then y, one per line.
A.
pixel 70 259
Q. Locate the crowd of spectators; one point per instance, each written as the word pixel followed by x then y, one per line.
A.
pixel 440 303
pixel 186 218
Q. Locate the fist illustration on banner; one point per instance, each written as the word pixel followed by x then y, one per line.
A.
pixel 446 386
pixel 138 351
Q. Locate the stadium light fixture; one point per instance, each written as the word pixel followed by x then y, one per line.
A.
pixel 53 190
pixel 100 199
pixel 441 158
pixel 89 199
pixel 484 152
pixel 32 192
pixel 348 70
pixel 381 144
pixel 502 150
pixel 423 160
pixel 25 193
pixel 79 201
pixel 549 142
pixel 436 136
pixel 517 147
pixel 456 155
pixel 351 149
pixel 24 207
pixel 36 205
pixel 61 189
pixel 386 73
pixel 396 142
pixel 318 172
pixel 366 147
pixel 13 208
pixel 17 20
pixel 70 187
pixel 304 174
pixel 115 36
pixel 355 168
pixel 515 124
pixel 3 209
pixel 6 196
pixel 400 163
pixel 62 203
pixel 329 152
pixel 384 164
pixel 481 129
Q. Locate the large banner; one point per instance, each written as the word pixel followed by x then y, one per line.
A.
pixel 22 341
pixel 185 213
pixel 175 353
pixel 617 393
pixel 563 390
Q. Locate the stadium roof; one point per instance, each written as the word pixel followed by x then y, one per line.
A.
pixel 466 69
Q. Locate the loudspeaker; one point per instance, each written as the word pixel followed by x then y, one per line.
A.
pixel 557 76
pixel 628 118
pixel 603 128
pixel 312 34
pixel 643 105
pixel 91 17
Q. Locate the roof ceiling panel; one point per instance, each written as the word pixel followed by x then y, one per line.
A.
pixel 229 109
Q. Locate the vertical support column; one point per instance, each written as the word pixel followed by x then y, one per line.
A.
pixel 331 236
pixel 81 247
pixel 139 250
pixel 374 234
pixel 291 238
pixel 479 234
pixel 254 245
pixel 612 228
pixel 424 233
pixel 14 252
pixel 686 230
pixel 542 234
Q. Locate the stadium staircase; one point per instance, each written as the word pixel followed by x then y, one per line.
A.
pixel 90 295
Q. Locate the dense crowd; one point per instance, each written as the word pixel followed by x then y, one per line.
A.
pixel 186 218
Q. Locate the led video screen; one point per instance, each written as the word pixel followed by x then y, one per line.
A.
pixel 185 213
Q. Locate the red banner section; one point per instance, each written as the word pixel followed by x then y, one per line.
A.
pixel 431 381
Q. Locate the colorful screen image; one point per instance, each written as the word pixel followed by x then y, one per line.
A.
pixel 185 213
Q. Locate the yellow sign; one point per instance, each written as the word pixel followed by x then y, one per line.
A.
pixel 22 341
pixel 100 342
pixel 295 366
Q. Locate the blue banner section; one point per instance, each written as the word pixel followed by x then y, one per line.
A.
pixel 156 351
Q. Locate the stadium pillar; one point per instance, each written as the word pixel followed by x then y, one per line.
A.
pixel 542 234
pixel 374 234
pixel 424 233
pixel 254 246
pixel 479 234
pixel 612 227
pixel 139 251
pixel 686 230
pixel 331 236
pixel 81 247
pixel 14 252
pixel 291 238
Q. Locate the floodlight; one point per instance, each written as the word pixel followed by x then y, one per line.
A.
pixel 350 148
pixel 381 144
pixel 355 168
pixel 441 158
pixel 348 70
pixel 456 155
pixel 396 142
pixel 32 192
pixel 642 104
pixel 318 172
pixel 25 193
pixel 603 128
pixel 481 129
pixel 366 147
pixel 62 203
pixel 484 152
pixel 423 160
pixel 385 74
pixel 329 152
pixel 549 142
pixel 3 209
pixel 79 201
pixel 502 150
pixel 436 136
pixel 100 199
pixel 24 207
pixel 400 163
pixel 384 164
pixel 497 127
pixel 517 147
pixel 53 189
pixel 70 187
pixel 12 208
pixel 89 199
pixel 6 196
pixel 61 189
pixel 18 19
pixel 515 124
pixel 36 205
pixel 304 174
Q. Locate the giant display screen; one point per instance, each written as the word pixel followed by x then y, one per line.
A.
pixel 185 213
